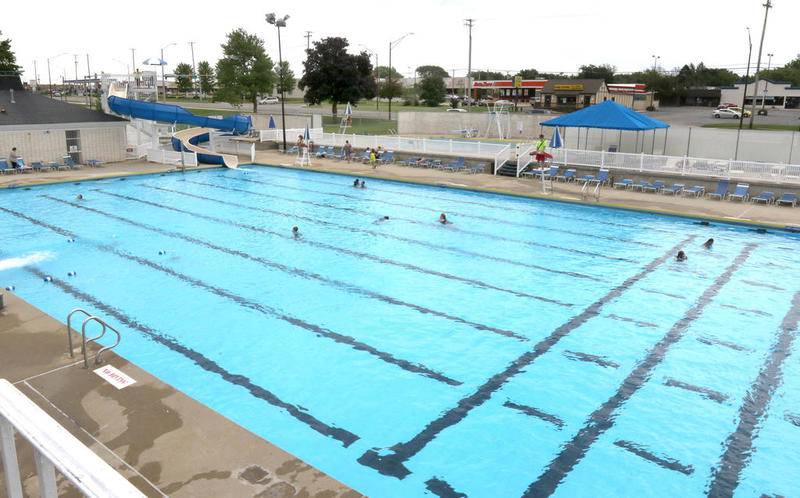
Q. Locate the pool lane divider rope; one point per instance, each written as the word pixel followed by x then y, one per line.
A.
pixel 392 462
pixel 269 311
pixel 456 250
pixel 739 444
pixel 342 435
pixel 603 417
pixel 338 284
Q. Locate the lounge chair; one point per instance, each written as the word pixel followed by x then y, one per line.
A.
pixel 432 163
pixel 741 193
pixel 787 199
pixel 94 163
pixel 568 176
pixel 387 157
pixel 695 191
pixel 586 178
pixel 4 168
pixel 602 177
pixel 22 167
pixel 364 157
pixel 656 186
pixel 475 168
pixel 643 184
pixel 38 166
pixel 721 192
pixel 293 150
pixel 673 190
pixel 625 183
pixel 456 165
pixel 765 197
pixel 551 173
pixel 56 165
pixel 70 163
pixel 411 161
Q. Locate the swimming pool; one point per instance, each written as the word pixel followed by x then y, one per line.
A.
pixel 530 348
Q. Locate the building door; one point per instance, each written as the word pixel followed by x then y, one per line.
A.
pixel 587 100
pixel 74 145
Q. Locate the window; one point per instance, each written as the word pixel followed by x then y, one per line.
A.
pixel 74 145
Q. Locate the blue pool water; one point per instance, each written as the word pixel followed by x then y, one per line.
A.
pixel 530 348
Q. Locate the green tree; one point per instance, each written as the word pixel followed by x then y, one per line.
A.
pixel 8 61
pixel 602 72
pixel 206 75
pixel 424 71
pixel 528 74
pixel 790 72
pixel 245 70
pixel 390 89
pixel 285 78
pixel 385 72
pixel 489 75
pixel 332 74
pixel 432 90
pixel 183 77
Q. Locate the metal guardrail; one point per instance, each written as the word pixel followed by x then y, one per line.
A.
pixel 54 448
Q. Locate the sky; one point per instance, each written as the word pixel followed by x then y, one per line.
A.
pixel 556 36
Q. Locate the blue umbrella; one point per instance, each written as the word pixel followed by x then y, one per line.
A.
pixel 307 135
pixel 271 124
pixel 555 141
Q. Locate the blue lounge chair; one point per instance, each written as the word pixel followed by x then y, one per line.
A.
pixel 587 178
pixel 387 157
pixel 695 191
pixel 456 165
pixel 551 173
pixel 70 163
pixel 475 168
pixel 56 165
pixel 293 150
pixel 721 192
pixel 22 167
pixel 411 161
pixel 602 177
pixel 787 199
pixel 364 157
pixel 568 176
pixel 765 197
pixel 625 183
pixel 94 163
pixel 38 166
pixel 433 163
pixel 642 185
pixel 4 168
pixel 655 187
pixel 322 152
pixel 673 190
pixel 741 193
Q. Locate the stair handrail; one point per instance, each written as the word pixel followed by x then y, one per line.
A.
pixel 84 349
pixel 69 328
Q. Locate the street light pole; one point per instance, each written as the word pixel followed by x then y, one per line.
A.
pixel 764 97
pixel 280 23
pixel 49 79
pixel 194 69
pixel 744 93
pixel 163 77
pixel 393 44
pixel 767 6
pixel 468 86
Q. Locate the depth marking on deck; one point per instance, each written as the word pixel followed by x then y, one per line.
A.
pixel 344 436
pixel 739 444
pixel 667 463
pixel 392 464
pixel 421 243
pixel 269 311
pixel 603 418
pixel 349 252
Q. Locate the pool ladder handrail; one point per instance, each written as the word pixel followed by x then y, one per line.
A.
pixel 84 342
pixel 69 328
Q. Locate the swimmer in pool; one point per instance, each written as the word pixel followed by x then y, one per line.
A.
pixel 356 183
pixel 381 219
pixel 707 244
pixel 295 232
pixel 79 197
pixel 681 256
pixel 443 219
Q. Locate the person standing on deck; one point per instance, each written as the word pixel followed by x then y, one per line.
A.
pixel 540 153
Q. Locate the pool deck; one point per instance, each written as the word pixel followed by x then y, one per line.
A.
pixel 161 440
pixel 733 212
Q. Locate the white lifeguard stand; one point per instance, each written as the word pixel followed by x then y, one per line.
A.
pixel 303 157
pixel 499 119
pixel 347 120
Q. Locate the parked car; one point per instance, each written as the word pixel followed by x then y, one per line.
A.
pixel 747 113
pixel 726 106
pixel 726 113
pixel 456 109
pixel 269 100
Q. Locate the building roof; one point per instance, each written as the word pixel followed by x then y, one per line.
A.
pixel 33 109
pixel 608 115
pixel 587 86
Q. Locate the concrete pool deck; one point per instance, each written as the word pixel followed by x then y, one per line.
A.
pixel 161 440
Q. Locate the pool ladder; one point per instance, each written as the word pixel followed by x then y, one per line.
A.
pixel 585 191
pixel 84 341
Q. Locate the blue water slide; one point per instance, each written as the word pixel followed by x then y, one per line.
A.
pixel 169 113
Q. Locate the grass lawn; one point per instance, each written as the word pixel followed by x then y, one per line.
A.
pixel 756 126
pixel 361 126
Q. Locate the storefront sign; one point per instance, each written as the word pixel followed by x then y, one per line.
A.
pixel 574 87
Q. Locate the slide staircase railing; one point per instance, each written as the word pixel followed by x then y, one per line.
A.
pixel 524 158
pixel 502 157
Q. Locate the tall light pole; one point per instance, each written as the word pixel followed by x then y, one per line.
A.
pixel 392 45
pixel 744 93
pixel 194 68
pixel 764 97
pixel 280 23
pixel 163 63
pixel 126 66
pixel 377 97
pixel 133 62
pixel 307 36
pixel 767 6
pixel 655 62
pixel 36 74
pixel 49 79
pixel 468 84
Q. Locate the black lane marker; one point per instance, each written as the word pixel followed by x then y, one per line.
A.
pixel 392 464
pixel 603 418
pixel 58 230
pixel 338 284
pixel 421 243
pixel 631 320
pixel 442 489
pixel 667 463
pixel 713 341
pixel 428 224
pixel 269 311
pixel 535 412
pixel 483 204
pixel 661 293
pixel 345 437
pixel 591 358
pixel 765 285
pixel 702 391
pixel 350 252
pixel 746 310
pixel 739 444
pixel 792 418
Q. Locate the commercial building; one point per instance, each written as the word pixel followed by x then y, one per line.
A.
pixel 780 94
pixel 45 129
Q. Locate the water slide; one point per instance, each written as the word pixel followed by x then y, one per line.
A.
pixel 189 139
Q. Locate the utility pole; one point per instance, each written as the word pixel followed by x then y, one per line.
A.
pixel 744 93
pixel 307 36
pixel 194 69
pixel 35 74
pixel 764 97
pixel 75 84
pixel 767 6
pixel 133 65
pixel 88 75
pixel 468 84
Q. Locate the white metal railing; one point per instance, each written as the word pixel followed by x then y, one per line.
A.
pixel 177 158
pixel 53 448
pixel 524 158
pixel 502 157
pixel 276 134
pixel 674 165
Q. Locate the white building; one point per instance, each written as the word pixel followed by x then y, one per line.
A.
pixel 779 94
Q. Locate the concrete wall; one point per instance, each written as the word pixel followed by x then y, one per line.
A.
pixel 106 143
pixel 261 121
pixel 523 126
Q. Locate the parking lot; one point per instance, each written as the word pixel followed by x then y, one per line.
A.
pixel 699 116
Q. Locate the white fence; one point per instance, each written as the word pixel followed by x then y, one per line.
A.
pixel 53 448
pixel 172 157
